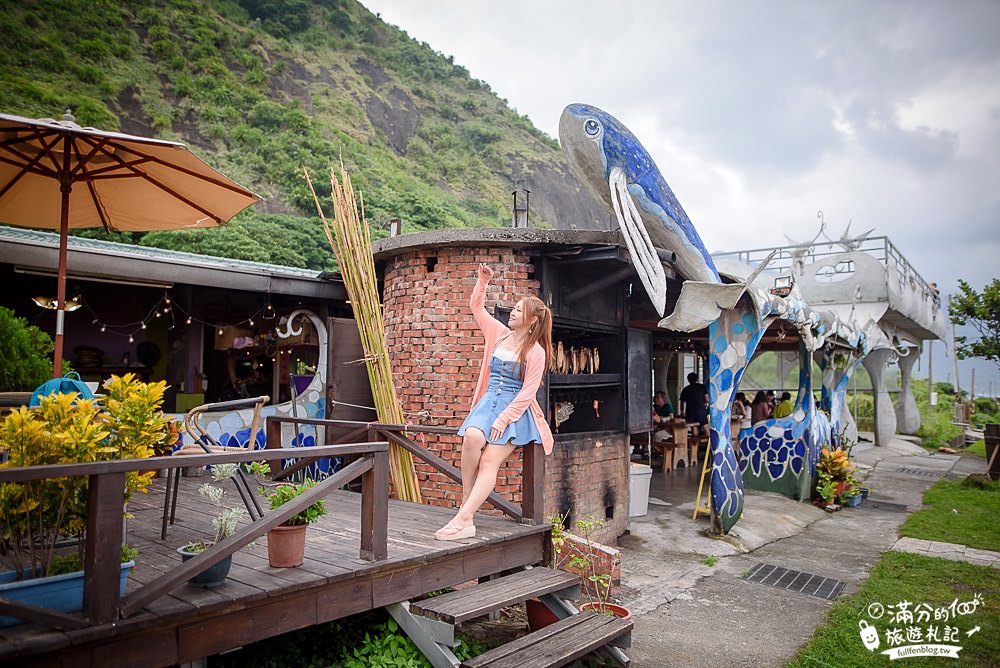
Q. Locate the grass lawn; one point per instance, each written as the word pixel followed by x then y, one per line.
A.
pixel 959 511
pixel 977 448
pixel 899 576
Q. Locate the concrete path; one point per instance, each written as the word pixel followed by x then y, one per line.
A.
pixel 686 589
pixel 934 548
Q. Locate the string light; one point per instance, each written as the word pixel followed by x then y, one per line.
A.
pixel 166 305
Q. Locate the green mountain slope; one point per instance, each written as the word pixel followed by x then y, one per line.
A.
pixel 261 87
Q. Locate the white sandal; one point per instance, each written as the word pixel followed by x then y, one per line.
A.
pixel 459 532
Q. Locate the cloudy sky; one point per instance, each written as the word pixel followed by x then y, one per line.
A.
pixel 760 114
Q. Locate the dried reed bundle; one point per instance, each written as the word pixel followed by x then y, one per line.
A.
pixel 352 245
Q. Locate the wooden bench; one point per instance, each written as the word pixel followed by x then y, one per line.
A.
pixel 557 644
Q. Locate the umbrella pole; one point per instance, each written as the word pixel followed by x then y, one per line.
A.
pixel 61 288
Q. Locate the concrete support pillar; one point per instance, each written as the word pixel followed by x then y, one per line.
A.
pixel 848 427
pixel 907 415
pixel 885 416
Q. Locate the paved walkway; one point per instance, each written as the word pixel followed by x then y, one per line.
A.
pixel 934 548
pixel 692 603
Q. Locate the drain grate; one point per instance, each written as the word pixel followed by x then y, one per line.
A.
pixel 919 472
pixel 785 578
pixel 888 506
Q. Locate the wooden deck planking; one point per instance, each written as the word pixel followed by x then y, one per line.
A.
pixel 258 601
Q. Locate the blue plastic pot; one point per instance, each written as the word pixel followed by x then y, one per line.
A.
pixel 62 593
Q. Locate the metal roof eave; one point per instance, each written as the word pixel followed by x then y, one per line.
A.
pixel 110 261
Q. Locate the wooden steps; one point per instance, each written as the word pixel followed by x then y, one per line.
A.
pixel 557 644
pixel 465 604
pixel 430 623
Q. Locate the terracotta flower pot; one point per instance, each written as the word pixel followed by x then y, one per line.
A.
pixel 539 615
pixel 608 608
pixel 286 545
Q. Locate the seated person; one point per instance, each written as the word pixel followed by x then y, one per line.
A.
pixel 741 409
pixel 785 407
pixel 663 412
pixel 760 410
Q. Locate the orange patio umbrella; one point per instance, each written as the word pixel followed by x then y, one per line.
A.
pixel 58 175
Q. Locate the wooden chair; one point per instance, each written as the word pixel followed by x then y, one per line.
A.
pixel 202 443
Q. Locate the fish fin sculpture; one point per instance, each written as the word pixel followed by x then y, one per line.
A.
pixel 700 304
pixel 640 246
pixel 607 159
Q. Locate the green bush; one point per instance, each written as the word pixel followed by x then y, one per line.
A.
pixel 25 354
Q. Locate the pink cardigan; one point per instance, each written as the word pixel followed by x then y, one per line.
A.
pixel 494 330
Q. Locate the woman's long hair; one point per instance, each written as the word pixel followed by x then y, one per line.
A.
pixel 540 332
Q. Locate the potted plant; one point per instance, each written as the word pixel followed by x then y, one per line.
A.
pixel 44 522
pixel 224 524
pixel 577 553
pixel 286 543
pixel 835 480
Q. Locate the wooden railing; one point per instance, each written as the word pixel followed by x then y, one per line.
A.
pixel 530 511
pixel 106 497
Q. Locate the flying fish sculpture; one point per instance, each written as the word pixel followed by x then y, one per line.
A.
pixel 606 157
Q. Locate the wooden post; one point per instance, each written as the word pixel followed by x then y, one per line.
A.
pixel 375 509
pixel 533 485
pixel 103 554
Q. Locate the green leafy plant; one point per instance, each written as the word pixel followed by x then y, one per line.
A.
pixel 580 559
pixel 710 561
pixel 38 516
pixel 835 480
pixel 227 519
pixel 25 354
pixel 285 492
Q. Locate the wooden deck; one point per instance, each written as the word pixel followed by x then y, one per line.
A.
pixel 257 601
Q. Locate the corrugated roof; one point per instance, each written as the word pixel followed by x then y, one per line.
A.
pixel 92 257
pixel 50 239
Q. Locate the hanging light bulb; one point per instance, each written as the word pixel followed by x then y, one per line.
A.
pixel 220 331
pixel 104 328
pixel 188 320
pixel 144 325
pixel 157 314
pixel 251 322
pixel 166 298
pixel 130 339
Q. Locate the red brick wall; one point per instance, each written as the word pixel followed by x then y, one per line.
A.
pixel 436 350
pixel 588 475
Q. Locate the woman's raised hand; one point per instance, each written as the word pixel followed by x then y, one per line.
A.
pixel 485 273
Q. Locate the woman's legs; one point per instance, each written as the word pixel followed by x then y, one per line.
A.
pixel 472 449
pixel 493 456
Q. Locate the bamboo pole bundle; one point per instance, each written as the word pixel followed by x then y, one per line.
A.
pixel 352 246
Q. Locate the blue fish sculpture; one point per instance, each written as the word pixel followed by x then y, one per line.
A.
pixel 607 158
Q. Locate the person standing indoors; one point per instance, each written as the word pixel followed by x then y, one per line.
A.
pixel 694 401
pixel 785 407
pixel 505 413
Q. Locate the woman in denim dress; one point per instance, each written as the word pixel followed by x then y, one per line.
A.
pixel 505 413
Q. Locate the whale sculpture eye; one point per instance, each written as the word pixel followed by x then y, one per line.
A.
pixel 591 127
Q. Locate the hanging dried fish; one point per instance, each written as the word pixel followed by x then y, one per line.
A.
pixel 597 360
pixel 563 410
pixel 560 358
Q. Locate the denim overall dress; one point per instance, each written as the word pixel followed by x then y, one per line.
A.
pixel 504 384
